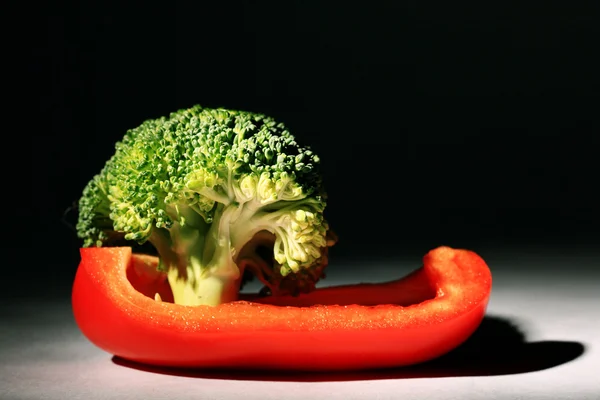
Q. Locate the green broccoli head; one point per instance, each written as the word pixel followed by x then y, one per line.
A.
pixel 210 189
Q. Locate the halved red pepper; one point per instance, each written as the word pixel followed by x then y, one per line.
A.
pixel 414 319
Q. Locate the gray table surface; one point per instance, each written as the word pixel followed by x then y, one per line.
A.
pixel 540 340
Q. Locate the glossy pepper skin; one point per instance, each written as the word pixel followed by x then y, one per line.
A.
pixel 410 320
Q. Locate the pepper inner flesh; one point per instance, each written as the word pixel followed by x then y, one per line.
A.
pixel 411 289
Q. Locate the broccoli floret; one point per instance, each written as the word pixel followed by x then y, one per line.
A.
pixel 211 189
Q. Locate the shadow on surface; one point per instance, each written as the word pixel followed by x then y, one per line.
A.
pixel 498 347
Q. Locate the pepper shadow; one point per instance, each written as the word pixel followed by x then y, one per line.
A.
pixel 497 347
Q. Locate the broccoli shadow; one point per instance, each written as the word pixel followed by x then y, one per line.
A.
pixel 498 347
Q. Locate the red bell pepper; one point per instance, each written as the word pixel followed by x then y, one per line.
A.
pixel 410 320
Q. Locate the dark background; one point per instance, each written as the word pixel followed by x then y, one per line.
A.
pixel 471 125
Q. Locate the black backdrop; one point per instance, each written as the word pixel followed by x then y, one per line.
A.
pixel 437 122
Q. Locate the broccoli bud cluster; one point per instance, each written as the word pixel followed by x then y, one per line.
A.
pixel 217 178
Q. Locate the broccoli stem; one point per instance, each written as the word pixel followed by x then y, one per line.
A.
pixel 205 262
pixel 207 289
pixel 198 259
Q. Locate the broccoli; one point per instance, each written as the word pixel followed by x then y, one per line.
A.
pixel 217 193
